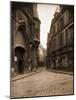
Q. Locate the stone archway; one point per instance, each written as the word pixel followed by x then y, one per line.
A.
pixel 19 53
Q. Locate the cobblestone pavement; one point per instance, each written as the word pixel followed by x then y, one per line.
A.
pixel 44 83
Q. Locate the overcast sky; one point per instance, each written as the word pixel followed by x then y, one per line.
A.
pixel 45 12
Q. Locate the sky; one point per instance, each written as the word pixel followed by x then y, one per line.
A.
pixel 45 12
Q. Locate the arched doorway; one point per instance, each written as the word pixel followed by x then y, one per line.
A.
pixel 19 53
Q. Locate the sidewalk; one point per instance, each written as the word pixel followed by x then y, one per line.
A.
pixel 21 76
pixel 60 71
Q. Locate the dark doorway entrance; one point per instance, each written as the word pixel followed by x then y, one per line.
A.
pixel 20 66
pixel 54 64
pixel 19 53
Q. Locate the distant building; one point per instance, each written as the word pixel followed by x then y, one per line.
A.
pixel 60 42
pixel 42 56
pixel 25 36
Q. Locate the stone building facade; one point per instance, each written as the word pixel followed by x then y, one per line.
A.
pixel 60 42
pixel 42 56
pixel 25 37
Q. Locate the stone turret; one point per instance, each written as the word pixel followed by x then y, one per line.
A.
pixel 36 26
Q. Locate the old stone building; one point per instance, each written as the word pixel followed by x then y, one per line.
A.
pixel 60 42
pixel 42 56
pixel 25 36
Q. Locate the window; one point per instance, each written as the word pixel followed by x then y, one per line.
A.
pixel 71 14
pixel 20 15
pixel 61 22
pixel 60 40
pixel 54 44
pixel 66 36
pixel 58 26
pixel 28 10
pixel 70 35
pixel 53 29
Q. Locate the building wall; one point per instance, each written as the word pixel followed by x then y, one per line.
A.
pixel 24 46
pixel 62 38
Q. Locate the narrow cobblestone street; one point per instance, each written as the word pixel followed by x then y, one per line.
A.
pixel 44 83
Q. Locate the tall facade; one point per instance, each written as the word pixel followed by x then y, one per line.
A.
pixel 60 43
pixel 25 36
